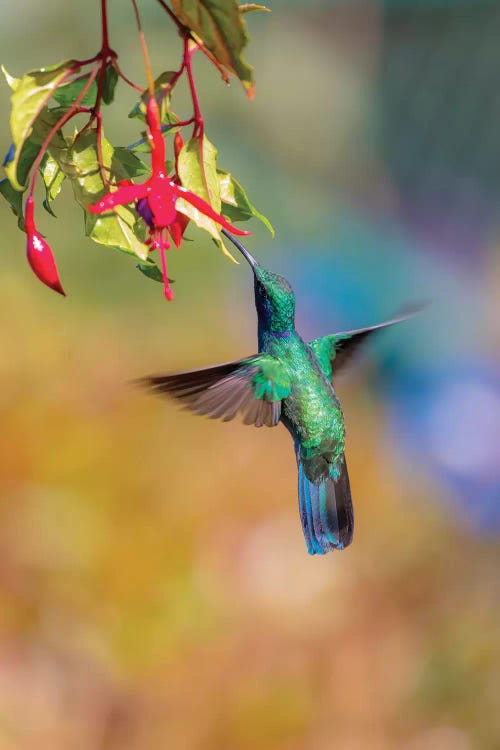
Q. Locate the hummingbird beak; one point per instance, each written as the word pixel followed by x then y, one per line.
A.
pixel 241 248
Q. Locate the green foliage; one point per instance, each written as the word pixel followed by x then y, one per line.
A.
pixel 125 165
pixel 109 85
pixel 14 199
pixel 30 95
pixel 236 206
pixel 151 270
pixel 80 163
pixel 198 172
pixel 219 24
pixel 53 178
pixel 66 94
pixel 249 7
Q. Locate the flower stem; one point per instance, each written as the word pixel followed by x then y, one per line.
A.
pixel 125 79
pixel 182 29
pixel 145 53
pixel 104 24
pixel 187 63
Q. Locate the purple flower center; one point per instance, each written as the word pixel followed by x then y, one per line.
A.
pixel 144 210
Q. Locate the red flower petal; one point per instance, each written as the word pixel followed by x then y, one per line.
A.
pixel 178 227
pixel 206 209
pixel 126 194
pixel 158 144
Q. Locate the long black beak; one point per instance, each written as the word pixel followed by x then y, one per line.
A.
pixel 241 248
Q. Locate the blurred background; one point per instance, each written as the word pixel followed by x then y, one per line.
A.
pixel 155 589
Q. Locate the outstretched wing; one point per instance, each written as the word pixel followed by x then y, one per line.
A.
pixel 335 350
pixel 255 387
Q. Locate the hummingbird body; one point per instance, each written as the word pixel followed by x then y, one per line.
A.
pixel 312 412
pixel 288 381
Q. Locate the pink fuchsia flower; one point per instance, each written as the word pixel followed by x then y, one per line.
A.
pixel 39 254
pixel 156 199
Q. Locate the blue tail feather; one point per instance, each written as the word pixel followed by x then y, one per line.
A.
pixel 325 511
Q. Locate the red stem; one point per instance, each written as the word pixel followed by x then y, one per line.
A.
pixel 164 245
pixel 105 55
pixel 98 139
pixel 187 63
pixel 104 25
pixel 183 123
pixel 224 74
pixel 124 78
pixel 182 29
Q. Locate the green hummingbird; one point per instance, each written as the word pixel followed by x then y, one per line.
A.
pixel 288 381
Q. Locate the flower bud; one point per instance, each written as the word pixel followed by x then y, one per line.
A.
pixel 39 254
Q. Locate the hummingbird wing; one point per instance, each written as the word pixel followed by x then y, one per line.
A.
pixel 335 350
pixel 254 386
pixel 326 511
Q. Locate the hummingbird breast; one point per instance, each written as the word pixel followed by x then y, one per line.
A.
pixel 312 412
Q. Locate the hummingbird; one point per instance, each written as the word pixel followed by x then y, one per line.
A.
pixel 289 381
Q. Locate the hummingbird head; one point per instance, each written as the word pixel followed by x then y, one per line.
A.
pixel 274 297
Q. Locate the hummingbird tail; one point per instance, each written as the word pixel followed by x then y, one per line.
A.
pixel 326 512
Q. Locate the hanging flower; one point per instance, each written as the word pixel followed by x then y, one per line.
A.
pixel 156 198
pixel 39 254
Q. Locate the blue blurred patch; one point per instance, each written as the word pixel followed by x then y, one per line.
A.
pixel 449 419
pixel 9 156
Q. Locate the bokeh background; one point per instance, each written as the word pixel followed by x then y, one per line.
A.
pixel 155 590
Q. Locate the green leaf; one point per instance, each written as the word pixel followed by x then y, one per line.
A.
pixel 81 166
pixel 15 200
pixel 29 98
pixel 151 270
pixel 67 93
pixel 53 178
pixel 249 7
pixel 12 82
pixel 116 231
pixel 110 81
pixel 29 151
pixel 125 165
pixel 236 206
pixel 141 147
pixel 141 229
pixel 161 84
pixel 197 169
pixel 220 26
